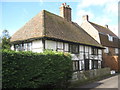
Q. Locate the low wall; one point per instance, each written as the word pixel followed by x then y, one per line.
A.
pixel 91 74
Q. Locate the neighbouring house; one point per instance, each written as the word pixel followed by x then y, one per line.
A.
pixel 58 33
pixel 104 36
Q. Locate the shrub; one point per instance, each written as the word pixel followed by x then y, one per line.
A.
pixel 35 70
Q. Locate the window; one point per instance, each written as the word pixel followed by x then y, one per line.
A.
pixel 94 64
pixel 110 38
pixel 60 45
pixel 116 51
pixel 86 64
pixel 17 47
pixel 73 48
pixel 29 46
pixel 75 65
pixel 94 51
pixel 23 47
pixel 106 50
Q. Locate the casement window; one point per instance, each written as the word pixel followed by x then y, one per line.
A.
pixel 94 51
pixel 106 50
pixel 110 38
pixel 94 64
pixel 74 48
pixel 116 51
pixel 75 65
pixel 23 47
pixel 29 46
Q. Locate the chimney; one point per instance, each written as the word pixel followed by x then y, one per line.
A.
pixel 85 18
pixel 65 11
pixel 106 26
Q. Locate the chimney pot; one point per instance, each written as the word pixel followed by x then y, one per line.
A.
pixel 106 26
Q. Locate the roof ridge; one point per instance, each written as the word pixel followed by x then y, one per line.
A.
pixel 98 25
pixel 57 16
pixel 104 28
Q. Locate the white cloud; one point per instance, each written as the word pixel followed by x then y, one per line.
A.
pixel 109 12
pixel 111 7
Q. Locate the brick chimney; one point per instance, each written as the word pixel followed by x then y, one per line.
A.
pixel 65 11
pixel 85 18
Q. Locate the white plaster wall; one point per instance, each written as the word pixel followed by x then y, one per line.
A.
pixel 91 30
pixel 12 47
pixel 49 44
pixel 86 48
pixel 99 64
pixel 37 46
pixel 86 56
pixel 81 56
pixel 99 51
pixel 60 45
pixel 90 50
pixel 80 65
pixel 81 48
pixel 90 64
pixel 75 57
pixel 66 47
pixel 100 54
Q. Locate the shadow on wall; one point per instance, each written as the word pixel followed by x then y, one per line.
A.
pixel 112 62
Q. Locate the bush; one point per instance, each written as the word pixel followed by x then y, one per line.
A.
pixel 35 70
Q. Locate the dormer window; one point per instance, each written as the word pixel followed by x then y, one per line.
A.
pixel 110 38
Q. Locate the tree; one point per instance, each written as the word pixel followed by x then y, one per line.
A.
pixel 5 40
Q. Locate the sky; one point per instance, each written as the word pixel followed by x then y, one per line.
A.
pixel 13 15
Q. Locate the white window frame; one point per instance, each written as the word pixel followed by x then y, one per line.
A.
pixel 110 38
pixel 106 50
pixel 116 51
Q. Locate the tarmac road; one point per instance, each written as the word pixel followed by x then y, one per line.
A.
pixel 111 82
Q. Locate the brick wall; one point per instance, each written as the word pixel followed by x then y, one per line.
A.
pixel 111 60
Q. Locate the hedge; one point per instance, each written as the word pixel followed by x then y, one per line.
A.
pixel 35 70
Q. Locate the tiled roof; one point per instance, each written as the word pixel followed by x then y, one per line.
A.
pixel 103 32
pixel 32 29
pixel 102 29
pixel 47 24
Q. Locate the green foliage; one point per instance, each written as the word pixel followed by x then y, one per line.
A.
pixel 5 42
pixel 35 70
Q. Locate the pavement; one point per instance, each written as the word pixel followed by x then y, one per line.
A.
pixel 111 82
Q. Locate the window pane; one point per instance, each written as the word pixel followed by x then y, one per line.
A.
pixel 74 48
pixel 75 65
pixel 96 64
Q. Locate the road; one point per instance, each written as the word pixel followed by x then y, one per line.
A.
pixel 111 82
